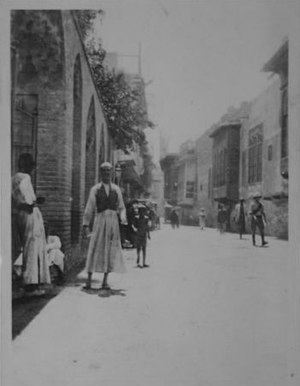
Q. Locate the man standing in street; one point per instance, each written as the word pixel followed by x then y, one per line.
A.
pixel 222 218
pixel 240 217
pixel 258 218
pixel 105 251
pixel 202 218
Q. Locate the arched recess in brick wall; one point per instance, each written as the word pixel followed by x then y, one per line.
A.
pixel 101 149
pixel 90 150
pixel 76 158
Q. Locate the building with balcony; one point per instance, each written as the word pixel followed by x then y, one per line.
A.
pixel 204 192
pixel 226 158
pixel 187 183
pixel 264 146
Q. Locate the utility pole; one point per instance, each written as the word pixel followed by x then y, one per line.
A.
pixel 138 57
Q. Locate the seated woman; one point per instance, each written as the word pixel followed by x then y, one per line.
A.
pixel 54 253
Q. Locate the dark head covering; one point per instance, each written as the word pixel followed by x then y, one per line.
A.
pixel 26 162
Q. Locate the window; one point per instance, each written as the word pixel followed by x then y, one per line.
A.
pixel 244 171
pixel 284 124
pixel 24 129
pixel 270 153
pixel 190 187
pixel 209 183
pixel 255 154
pixel 219 167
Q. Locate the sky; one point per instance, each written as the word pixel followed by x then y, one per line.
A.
pixel 199 57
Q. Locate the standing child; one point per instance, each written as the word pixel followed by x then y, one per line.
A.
pixel 142 230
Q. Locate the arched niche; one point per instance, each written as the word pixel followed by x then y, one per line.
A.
pixel 76 151
pixel 90 150
pixel 101 157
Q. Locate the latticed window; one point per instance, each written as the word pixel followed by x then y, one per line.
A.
pixel 209 184
pixel 244 171
pixel 190 189
pixel 255 154
pixel 219 167
pixel 284 123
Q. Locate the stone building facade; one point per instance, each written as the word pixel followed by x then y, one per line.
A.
pixel 187 183
pixel 245 152
pixel 170 169
pixel 204 191
pixel 57 116
pixel 264 150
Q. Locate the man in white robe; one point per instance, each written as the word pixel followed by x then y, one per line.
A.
pixel 105 252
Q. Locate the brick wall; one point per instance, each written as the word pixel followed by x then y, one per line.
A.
pixel 55 127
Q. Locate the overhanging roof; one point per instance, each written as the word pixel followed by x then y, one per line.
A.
pixel 224 125
pixel 279 61
pixel 130 175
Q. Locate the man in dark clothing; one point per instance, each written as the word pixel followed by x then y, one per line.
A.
pixel 222 218
pixel 240 217
pixel 174 219
pixel 258 218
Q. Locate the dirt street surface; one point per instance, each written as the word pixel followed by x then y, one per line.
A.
pixel 211 310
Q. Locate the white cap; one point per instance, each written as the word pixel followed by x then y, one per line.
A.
pixel 106 165
pixel 256 195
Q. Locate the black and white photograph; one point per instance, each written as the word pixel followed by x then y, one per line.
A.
pixel 150 193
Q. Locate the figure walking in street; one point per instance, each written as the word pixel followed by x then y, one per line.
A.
pixel 240 217
pixel 105 251
pixel 142 230
pixel 222 218
pixel 174 219
pixel 202 218
pixel 30 228
pixel 258 219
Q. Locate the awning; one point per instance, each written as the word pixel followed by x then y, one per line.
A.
pixel 129 175
pixel 185 204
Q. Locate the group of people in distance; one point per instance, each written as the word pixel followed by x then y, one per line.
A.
pixel 257 215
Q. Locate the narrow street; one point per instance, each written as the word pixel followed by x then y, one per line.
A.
pixel 210 310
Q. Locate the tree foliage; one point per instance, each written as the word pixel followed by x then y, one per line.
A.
pixel 86 18
pixel 36 35
pixel 123 100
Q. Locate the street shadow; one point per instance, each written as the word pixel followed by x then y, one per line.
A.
pixel 78 281
pixel 111 292
pixel 104 293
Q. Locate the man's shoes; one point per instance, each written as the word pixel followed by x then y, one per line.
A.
pixel 146 266
pixel 105 287
pixel 37 292
pixel 264 243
